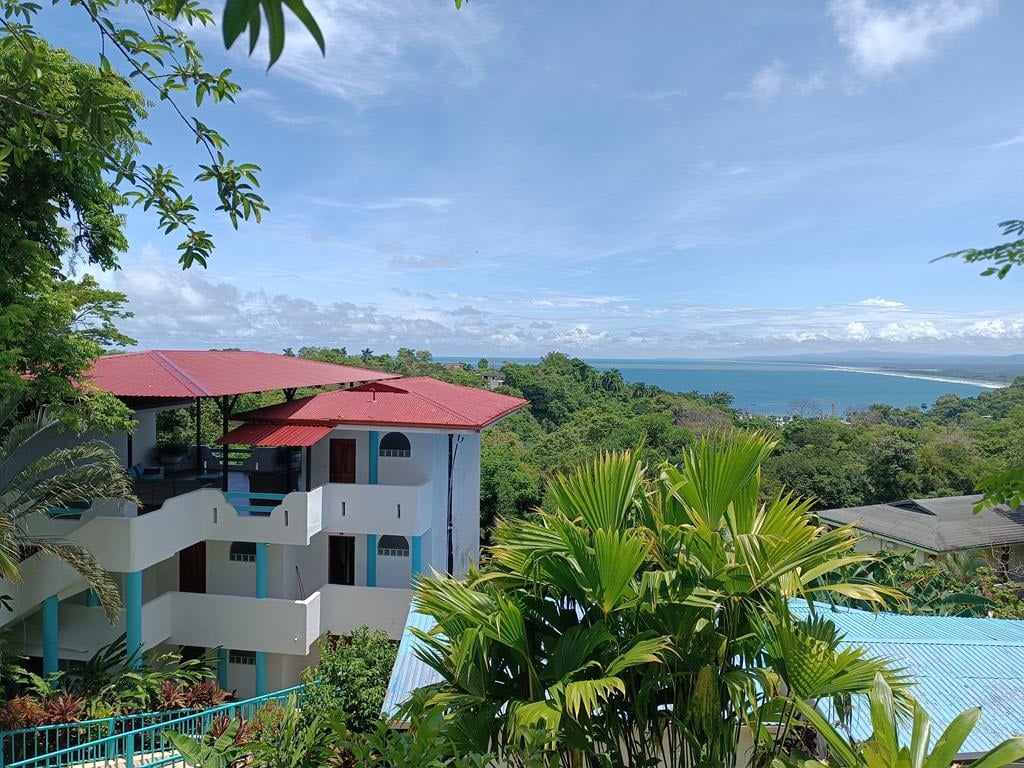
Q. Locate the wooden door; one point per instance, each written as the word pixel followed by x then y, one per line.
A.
pixel 341 560
pixel 192 568
pixel 343 461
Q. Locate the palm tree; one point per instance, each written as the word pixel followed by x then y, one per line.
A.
pixel 366 354
pixel 31 486
pixel 637 622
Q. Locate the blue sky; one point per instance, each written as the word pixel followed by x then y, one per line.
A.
pixel 645 179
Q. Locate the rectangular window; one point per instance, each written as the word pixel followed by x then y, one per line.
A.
pixel 242 657
pixel 242 552
pixel 395 453
pixel 386 552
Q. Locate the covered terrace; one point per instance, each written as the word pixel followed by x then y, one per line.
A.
pixel 155 380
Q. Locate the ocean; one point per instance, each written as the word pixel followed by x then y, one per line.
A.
pixel 783 388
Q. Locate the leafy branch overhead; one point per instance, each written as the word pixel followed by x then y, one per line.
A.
pixel 90 116
pixel 1003 256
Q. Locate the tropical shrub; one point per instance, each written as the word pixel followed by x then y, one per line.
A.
pixel 109 684
pixel 352 676
pixel 642 622
pixel 884 750
pixel 31 486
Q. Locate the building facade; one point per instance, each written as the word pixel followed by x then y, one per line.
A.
pixel 381 482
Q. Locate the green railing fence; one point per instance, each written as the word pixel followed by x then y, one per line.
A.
pixel 137 740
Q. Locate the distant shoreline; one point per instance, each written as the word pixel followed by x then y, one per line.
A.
pixel 907 375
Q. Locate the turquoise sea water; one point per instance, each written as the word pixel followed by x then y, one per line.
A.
pixel 778 388
pixel 781 388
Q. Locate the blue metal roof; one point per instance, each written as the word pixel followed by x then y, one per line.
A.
pixel 409 673
pixel 957 663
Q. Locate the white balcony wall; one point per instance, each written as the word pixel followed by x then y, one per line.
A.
pixel 244 623
pixel 344 609
pixel 402 510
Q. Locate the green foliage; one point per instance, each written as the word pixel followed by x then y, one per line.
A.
pixel 32 485
pixel 351 678
pixel 1004 256
pixel 884 750
pixel 110 683
pixel 959 584
pixel 641 618
pixel 211 750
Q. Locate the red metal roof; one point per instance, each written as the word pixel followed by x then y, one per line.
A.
pixel 176 373
pixel 416 402
pixel 274 434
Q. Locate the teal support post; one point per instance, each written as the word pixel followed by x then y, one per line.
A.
pixel 261 570
pixel 371 559
pixel 133 615
pixel 261 591
pixel 416 555
pixel 374 456
pixel 91 600
pixel 261 673
pixel 50 633
pixel 222 668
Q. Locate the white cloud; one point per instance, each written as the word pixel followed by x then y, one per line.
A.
pixel 878 301
pixel 580 336
pixel 773 80
pixel 880 38
pixel 195 309
pixel 857 331
pixel 1013 141
pixel 375 47
pixel 391 204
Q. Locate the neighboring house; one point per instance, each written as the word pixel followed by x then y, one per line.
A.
pixel 956 663
pixel 936 527
pixel 494 378
pixel 311 516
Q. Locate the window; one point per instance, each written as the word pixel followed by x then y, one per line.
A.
pixel 242 552
pixel 242 657
pixel 395 445
pixel 393 546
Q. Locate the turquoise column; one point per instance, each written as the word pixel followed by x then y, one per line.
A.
pixel 416 555
pixel 90 598
pixel 374 456
pixel 50 644
pixel 371 559
pixel 222 667
pixel 261 592
pixel 133 615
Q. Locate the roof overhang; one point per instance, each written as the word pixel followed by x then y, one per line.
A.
pixel 264 435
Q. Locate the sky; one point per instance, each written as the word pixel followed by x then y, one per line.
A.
pixel 617 180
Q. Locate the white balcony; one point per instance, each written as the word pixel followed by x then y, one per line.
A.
pixel 289 627
pixel 344 609
pixel 400 510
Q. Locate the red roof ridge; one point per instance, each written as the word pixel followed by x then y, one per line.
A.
pixel 435 402
pixel 178 373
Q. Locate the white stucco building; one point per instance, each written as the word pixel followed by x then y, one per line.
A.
pixel 318 524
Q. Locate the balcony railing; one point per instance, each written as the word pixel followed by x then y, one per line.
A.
pixel 401 510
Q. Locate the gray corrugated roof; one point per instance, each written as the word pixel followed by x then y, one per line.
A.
pixel 936 525
pixel 957 663
pixel 409 673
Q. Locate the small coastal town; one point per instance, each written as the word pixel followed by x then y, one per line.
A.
pixel 540 385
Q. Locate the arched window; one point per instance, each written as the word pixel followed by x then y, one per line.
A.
pixel 242 552
pixel 393 546
pixel 395 445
